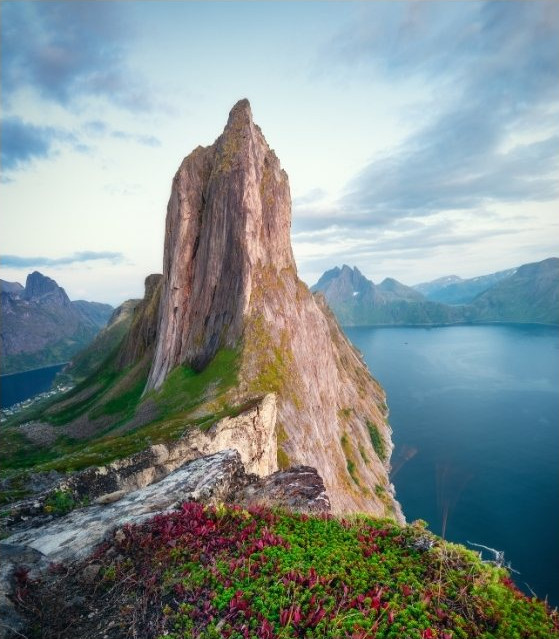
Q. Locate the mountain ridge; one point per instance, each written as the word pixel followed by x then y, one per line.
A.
pixel 525 294
pixel 42 326
pixel 455 290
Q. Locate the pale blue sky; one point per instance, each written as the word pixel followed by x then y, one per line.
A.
pixel 420 138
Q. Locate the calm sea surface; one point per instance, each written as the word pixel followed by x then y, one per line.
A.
pixel 475 415
pixel 19 386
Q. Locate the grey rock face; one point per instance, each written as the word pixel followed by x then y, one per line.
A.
pixel 229 214
pixel 299 489
pixel 74 536
pixel 38 285
pixel 11 288
pixel 140 339
pixel 216 478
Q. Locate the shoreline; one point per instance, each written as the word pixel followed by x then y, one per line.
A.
pixel 31 370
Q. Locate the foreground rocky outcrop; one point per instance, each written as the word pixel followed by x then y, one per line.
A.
pixel 252 433
pixel 212 479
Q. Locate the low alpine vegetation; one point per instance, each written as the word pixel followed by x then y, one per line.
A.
pixel 212 572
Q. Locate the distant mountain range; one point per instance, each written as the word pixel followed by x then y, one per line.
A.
pixel 527 294
pixel 454 290
pixel 41 326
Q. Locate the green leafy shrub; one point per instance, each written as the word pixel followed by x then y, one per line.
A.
pixel 60 502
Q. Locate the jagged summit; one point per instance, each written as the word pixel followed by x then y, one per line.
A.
pixel 240 113
pixel 229 214
pixel 38 285
pixel 40 325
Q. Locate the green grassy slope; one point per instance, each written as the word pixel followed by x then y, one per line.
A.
pixel 105 417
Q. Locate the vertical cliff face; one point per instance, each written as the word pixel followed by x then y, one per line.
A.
pixel 229 281
pixel 229 213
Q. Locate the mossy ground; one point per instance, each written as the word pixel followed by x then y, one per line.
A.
pixel 210 572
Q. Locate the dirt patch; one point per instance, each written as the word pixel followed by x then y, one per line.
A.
pixel 80 601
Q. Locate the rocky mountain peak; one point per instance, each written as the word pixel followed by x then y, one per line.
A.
pixel 229 216
pixel 38 286
pixel 240 114
pixel 230 282
pixel 11 288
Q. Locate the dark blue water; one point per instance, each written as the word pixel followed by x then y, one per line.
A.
pixel 475 415
pixel 19 386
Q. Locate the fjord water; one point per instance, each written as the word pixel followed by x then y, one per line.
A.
pixel 20 386
pixel 475 415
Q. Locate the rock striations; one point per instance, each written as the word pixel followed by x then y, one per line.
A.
pixel 228 221
pixel 230 282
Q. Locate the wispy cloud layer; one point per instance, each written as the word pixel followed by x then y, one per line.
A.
pixel 16 261
pixel 69 55
pixel 492 136
pixel 67 51
pixel 22 143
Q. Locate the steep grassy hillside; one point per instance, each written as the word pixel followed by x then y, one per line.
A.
pixel 106 417
pixel 87 361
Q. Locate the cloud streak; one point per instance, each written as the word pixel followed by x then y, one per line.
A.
pixel 67 51
pixel 22 143
pixel 496 68
pixel 16 261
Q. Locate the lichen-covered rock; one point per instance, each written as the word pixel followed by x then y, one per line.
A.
pixel 230 281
